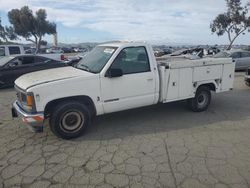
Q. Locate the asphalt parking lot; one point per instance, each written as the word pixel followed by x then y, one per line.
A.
pixel 158 146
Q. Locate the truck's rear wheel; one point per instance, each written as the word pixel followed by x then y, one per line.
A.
pixel 69 120
pixel 201 100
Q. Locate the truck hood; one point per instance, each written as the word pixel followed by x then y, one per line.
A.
pixel 40 77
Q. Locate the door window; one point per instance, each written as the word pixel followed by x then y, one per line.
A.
pixel 19 61
pixel 245 54
pixel 14 50
pixel 16 62
pixel 39 59
pixel 236 55
pixel 27 60
pixel 132 60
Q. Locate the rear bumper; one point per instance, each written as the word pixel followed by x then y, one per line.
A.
pixel 35 121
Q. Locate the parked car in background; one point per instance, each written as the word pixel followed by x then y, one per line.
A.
pixel 162 52
pixel 79 50
pixel 7 50
pixel 34 51
pixel 11 67
pixel 82 54
pixel 54 50
pixel 211 51
pixel 30 51
pixel 247 77
pixel 241 58
pixel 55 56
pixel 67 50
pixel 72 60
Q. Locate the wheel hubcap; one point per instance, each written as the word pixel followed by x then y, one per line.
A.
pixel 72 121
pixel 202 99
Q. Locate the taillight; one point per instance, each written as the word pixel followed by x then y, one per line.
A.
pixel 62 57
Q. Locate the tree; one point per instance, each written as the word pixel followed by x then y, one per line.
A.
pixel 234 22
pixel 29 26
pixel 7 33
pixel 1 31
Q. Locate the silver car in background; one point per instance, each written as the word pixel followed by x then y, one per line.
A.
pixel 241 58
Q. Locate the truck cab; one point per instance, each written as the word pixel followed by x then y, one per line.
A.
pixel 130 79
pixel 115 77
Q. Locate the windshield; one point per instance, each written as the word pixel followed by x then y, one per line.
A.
pixel 95 60
pixel 5 60
pixel 222 55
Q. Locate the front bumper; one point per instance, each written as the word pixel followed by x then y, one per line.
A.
pixel 35 121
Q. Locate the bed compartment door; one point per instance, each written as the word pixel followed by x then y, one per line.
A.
pixel 173 85
pixel 185 83
pixel 204 73
pixel 228 77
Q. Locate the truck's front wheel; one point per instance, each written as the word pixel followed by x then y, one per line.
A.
pixel 201 100
pixel 69 120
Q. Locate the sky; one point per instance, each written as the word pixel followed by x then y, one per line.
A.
pixel 153 21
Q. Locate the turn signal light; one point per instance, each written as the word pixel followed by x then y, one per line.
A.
pixel 29 100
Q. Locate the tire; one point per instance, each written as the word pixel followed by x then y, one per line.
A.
pixel 69 119
pixel 201 101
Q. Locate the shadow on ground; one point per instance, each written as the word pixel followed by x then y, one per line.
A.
pixel 231 106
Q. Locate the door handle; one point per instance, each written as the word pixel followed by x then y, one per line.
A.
pixel 150 79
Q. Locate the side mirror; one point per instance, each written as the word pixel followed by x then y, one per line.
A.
pixel 112 73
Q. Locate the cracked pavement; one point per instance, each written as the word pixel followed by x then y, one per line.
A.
pixel 158 146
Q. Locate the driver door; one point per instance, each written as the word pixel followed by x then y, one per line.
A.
pixel 135 88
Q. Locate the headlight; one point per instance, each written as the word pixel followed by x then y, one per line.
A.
pixel 27 101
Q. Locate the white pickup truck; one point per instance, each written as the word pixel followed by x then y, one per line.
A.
pixel 115 77
pixel 9 50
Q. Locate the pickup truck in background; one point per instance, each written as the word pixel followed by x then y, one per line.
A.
pixel 115 77
pixel 9 50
